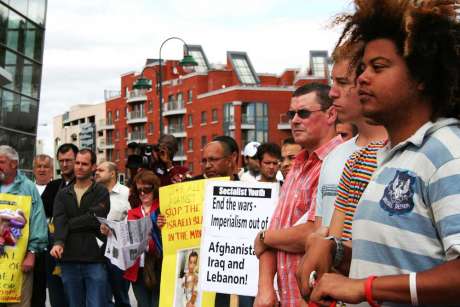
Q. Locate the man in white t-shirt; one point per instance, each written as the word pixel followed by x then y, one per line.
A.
pixel 252 164
pixel 43 171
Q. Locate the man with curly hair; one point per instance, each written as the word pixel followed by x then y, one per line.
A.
pixel 406 228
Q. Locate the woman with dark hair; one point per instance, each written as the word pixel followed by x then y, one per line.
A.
pixel 145 273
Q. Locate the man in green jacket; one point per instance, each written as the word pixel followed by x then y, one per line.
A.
pixel 14 182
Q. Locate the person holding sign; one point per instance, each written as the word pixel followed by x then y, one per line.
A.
pixel 144 275
pixel 19 195
pixel 280 247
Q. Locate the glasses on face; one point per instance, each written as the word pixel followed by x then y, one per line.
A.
pixel 211 160
pixel 145 190
pixel 302 113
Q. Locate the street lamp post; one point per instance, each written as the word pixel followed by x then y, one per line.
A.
pixel 186 61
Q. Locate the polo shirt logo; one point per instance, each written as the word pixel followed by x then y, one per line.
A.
pixel 398 194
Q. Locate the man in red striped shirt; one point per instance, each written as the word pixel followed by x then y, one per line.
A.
pixel 313 127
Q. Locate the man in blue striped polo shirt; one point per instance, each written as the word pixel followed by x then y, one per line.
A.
pixel 406 230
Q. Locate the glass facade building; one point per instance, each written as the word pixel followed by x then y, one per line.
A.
pixel 22 33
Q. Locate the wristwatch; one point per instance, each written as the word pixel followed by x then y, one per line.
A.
pixel 338 255
pixel 262 235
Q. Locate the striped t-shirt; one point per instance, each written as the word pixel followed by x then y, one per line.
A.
pixel 355 177
pixel 408 218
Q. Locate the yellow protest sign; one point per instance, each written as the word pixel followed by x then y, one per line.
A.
pixel 182 204
pixel 14 252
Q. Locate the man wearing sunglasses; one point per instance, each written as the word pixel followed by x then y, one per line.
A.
pixel 279 248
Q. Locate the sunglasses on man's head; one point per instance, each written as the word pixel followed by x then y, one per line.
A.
pixel 145 190
pixel 302 113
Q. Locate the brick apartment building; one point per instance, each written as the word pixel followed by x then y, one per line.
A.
pixel 201 103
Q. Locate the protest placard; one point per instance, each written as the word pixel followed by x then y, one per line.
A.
pixel 13 253
pixel 182 205
pixel 127 241
pixel 234 213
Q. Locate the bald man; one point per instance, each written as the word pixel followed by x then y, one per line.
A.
pixel 107 174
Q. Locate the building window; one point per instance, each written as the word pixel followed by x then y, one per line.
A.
pixel 180 148
pixel 117 135
pixel 109 137
pixel 109 118
pixel 190 96
pixel 203 117
pixel 198 54
pixel 190 144
pixel 190 167
pixel 204 141
pixel 214 115
pixel 318 63
pixel 126 133
pixel 180 100
pixel 229 111
pixel 117 155
pixel 255 116
pixel 243 68
pixel 126 112
pixel 117 114
pixel 109 154
pixel 190 120
pixel 150 128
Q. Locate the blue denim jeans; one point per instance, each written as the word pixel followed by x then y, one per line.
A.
pixel 85 284
pixel 119 286
pixel 54 283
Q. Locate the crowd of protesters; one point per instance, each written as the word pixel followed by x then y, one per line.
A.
pixel 367 209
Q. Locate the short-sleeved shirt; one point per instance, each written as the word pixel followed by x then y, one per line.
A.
pixel 354 180
pixel 297 197
pixel 408 218
pixel 329 177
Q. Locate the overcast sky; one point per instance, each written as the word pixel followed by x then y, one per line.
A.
pixel 90 43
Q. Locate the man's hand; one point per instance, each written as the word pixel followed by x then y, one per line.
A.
pixel 57 251
pixel 266 297
pixel 105 230
pixel 259 246
pixel 163 155
pixel 339 288
pixel 318 258
pixel 29 262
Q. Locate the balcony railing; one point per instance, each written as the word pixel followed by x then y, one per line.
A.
pixel 137 137
pixel 177 130
pixel 247 119
pixel 284 124
pixel 174 107
pixel 137 116
pixel 136 95
pixel 105 125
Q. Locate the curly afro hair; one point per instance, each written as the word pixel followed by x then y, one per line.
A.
pixel 426 33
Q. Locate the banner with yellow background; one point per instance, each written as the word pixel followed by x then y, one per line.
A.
pixel 11 260
pixel 182 204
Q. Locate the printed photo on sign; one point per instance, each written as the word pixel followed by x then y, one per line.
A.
pixel 187 294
